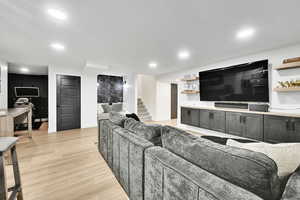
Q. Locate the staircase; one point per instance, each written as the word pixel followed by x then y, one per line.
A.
pixel 143 113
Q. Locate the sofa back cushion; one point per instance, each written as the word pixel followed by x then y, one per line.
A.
pixel 250 170
pixel 117 118
pixel 106 107
pixel 151 132
pixel 117 107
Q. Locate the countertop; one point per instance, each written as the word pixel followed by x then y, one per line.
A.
pixel 13 112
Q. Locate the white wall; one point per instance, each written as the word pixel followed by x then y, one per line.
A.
pixel 163 101
pixel 130 93
pixel 283 102
pixel 88 94
pixel 3 83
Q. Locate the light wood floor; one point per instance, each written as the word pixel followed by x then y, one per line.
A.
pixel 66 166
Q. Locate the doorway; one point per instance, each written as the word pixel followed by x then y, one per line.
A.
pixel 174 100
pixel 28 87
pixel 68 102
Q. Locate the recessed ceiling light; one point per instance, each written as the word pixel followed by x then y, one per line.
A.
pixel 245 33
pixel 184 55
pixel 57 14
pixel 152 65
pixel 57 46
pixel 23 69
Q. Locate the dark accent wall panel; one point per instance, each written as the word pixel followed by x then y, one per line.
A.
pixel 110 89
pixel 40 81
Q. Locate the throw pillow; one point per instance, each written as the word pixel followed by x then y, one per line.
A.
pixel 133 116
pixel 106 108
pixel 151 133
pixel 285 155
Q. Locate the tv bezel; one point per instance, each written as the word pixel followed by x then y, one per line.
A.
pixel 234 66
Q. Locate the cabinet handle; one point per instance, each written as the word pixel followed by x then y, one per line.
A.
pixel 294 125
pixel 287 125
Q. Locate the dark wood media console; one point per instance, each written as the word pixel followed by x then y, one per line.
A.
pixel 262 126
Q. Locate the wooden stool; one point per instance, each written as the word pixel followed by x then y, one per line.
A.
pixel 9 144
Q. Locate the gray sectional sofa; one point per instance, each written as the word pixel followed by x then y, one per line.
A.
pixel 152 162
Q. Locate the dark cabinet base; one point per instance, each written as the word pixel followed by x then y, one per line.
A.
pixel 261 127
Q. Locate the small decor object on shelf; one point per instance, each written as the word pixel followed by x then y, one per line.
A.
pixel 289 84
pixel 291 60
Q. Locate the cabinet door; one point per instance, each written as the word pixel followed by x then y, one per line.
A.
pixel 276 129
pixel 190 116
pixel 185 119
pixel 205 119
pixel 217 122
pixel 295 133
pixel 194 120
pixel 234 124
pixel 253 126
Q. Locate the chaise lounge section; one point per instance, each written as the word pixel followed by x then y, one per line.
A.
pixel 122 144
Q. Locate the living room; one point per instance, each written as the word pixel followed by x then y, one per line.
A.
pixel 150 100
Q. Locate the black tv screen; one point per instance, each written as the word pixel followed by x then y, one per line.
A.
pixel 240 83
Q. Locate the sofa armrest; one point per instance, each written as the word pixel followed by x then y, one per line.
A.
pixel 105 128
pixel 169 176
pixel 292 188
pixel 128 161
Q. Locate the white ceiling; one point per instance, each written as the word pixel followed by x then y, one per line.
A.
pixel 16 68
pixel 127 34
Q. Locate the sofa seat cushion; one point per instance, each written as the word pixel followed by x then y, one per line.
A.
pixel 151 132
pixel 250 170
pixel 117 118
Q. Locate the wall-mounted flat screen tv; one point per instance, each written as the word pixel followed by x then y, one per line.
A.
pixel 247 82
pixel 27 92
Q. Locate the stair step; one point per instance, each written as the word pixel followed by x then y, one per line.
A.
pixel 142 111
